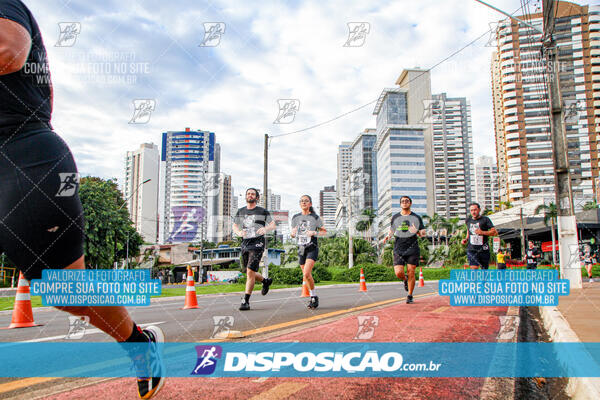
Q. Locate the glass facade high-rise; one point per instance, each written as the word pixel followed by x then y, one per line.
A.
pixel 400 157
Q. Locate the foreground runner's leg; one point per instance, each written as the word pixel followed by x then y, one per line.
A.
pixel 116 322
pixel 411 282
pixel 310 282
pixel 399 271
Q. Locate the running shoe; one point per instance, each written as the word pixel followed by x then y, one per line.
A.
pixel 314 302
pixel 244 306
pixel 148 364
pixel 591 280
pixel 265 285
pixel 409 299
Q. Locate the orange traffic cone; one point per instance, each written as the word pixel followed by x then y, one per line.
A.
pixel 305 292
pixel 421 279
pixel 363 282
pixel 22 316
pixel 190 291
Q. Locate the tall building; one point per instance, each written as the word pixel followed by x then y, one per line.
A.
pixel 224 220
pixel 363 175
pixel 327 206
pixel 524 149
pixel 141 166
pixel 344 164
pixel 401 144
pixel 452 155
pixel 274 201
pixel 501 158
pixel 486 183
pixel 188 191
pixel 234 203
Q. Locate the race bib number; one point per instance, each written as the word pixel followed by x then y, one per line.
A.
pixel 476 240
pixel 303 240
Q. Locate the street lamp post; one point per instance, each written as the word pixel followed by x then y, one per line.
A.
pixel 122 205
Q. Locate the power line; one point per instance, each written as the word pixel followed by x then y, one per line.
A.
pixel 416 77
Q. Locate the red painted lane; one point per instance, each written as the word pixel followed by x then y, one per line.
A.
pixel 429 319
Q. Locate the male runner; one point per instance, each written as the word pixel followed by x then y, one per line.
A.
pixel 39 229
pixel 406 226
pixel 533 255
pixel 479 227
pixel 251 223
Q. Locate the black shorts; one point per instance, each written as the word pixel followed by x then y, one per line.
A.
pixel 311 252
pixel 403 259
pixel 41 218
pixel 501 266
pixel 479 258
pixel 251 259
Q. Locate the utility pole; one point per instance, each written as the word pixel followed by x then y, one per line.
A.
pixel 570 266
pixel 522 234
pixel 568 246
pixel 266 197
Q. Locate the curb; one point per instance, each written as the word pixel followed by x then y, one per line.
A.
pixel 559 330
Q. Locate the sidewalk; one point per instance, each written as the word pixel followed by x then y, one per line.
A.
pixel 429 319
pixel 576 319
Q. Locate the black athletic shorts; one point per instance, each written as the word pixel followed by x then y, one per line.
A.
pixel 41 218
pixel 311 252
pixel 403 259
pixel 251 259
pixel 501 266
pixel 479 258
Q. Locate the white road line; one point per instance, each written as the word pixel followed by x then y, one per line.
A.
pixel 87 332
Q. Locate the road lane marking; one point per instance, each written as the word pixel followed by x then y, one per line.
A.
pixel 280 391
pixel 323 316
pixel 22 383
pixel 87 332
pixel 441 309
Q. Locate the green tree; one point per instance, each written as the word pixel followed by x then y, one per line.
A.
pixel 368 215
pixel 107 226
pixel 550 214
pixel 590 205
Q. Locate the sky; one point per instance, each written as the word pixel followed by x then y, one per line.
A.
pixel 121 52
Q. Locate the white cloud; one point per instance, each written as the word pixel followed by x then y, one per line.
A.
pixel 269 51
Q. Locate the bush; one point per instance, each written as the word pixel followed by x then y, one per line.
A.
pixel 321 273
pixel 286 276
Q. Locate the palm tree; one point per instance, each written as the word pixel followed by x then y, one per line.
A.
pixel 364 225
pixel 550 213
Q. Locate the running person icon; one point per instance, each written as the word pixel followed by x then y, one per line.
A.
pixel 252 223
pixel 406 227
pixel 38 229
pixel 307 226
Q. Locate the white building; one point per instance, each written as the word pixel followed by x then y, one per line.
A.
pixel 452 155
pixel 142 165
pixel 189 188
pixel 486 183
pixel 327 206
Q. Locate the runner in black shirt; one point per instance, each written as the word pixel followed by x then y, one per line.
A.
pixel 251 223
pixel 307 226
pixel 478 229
pixel 42 216
pixel 406 226
pixel 533 254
